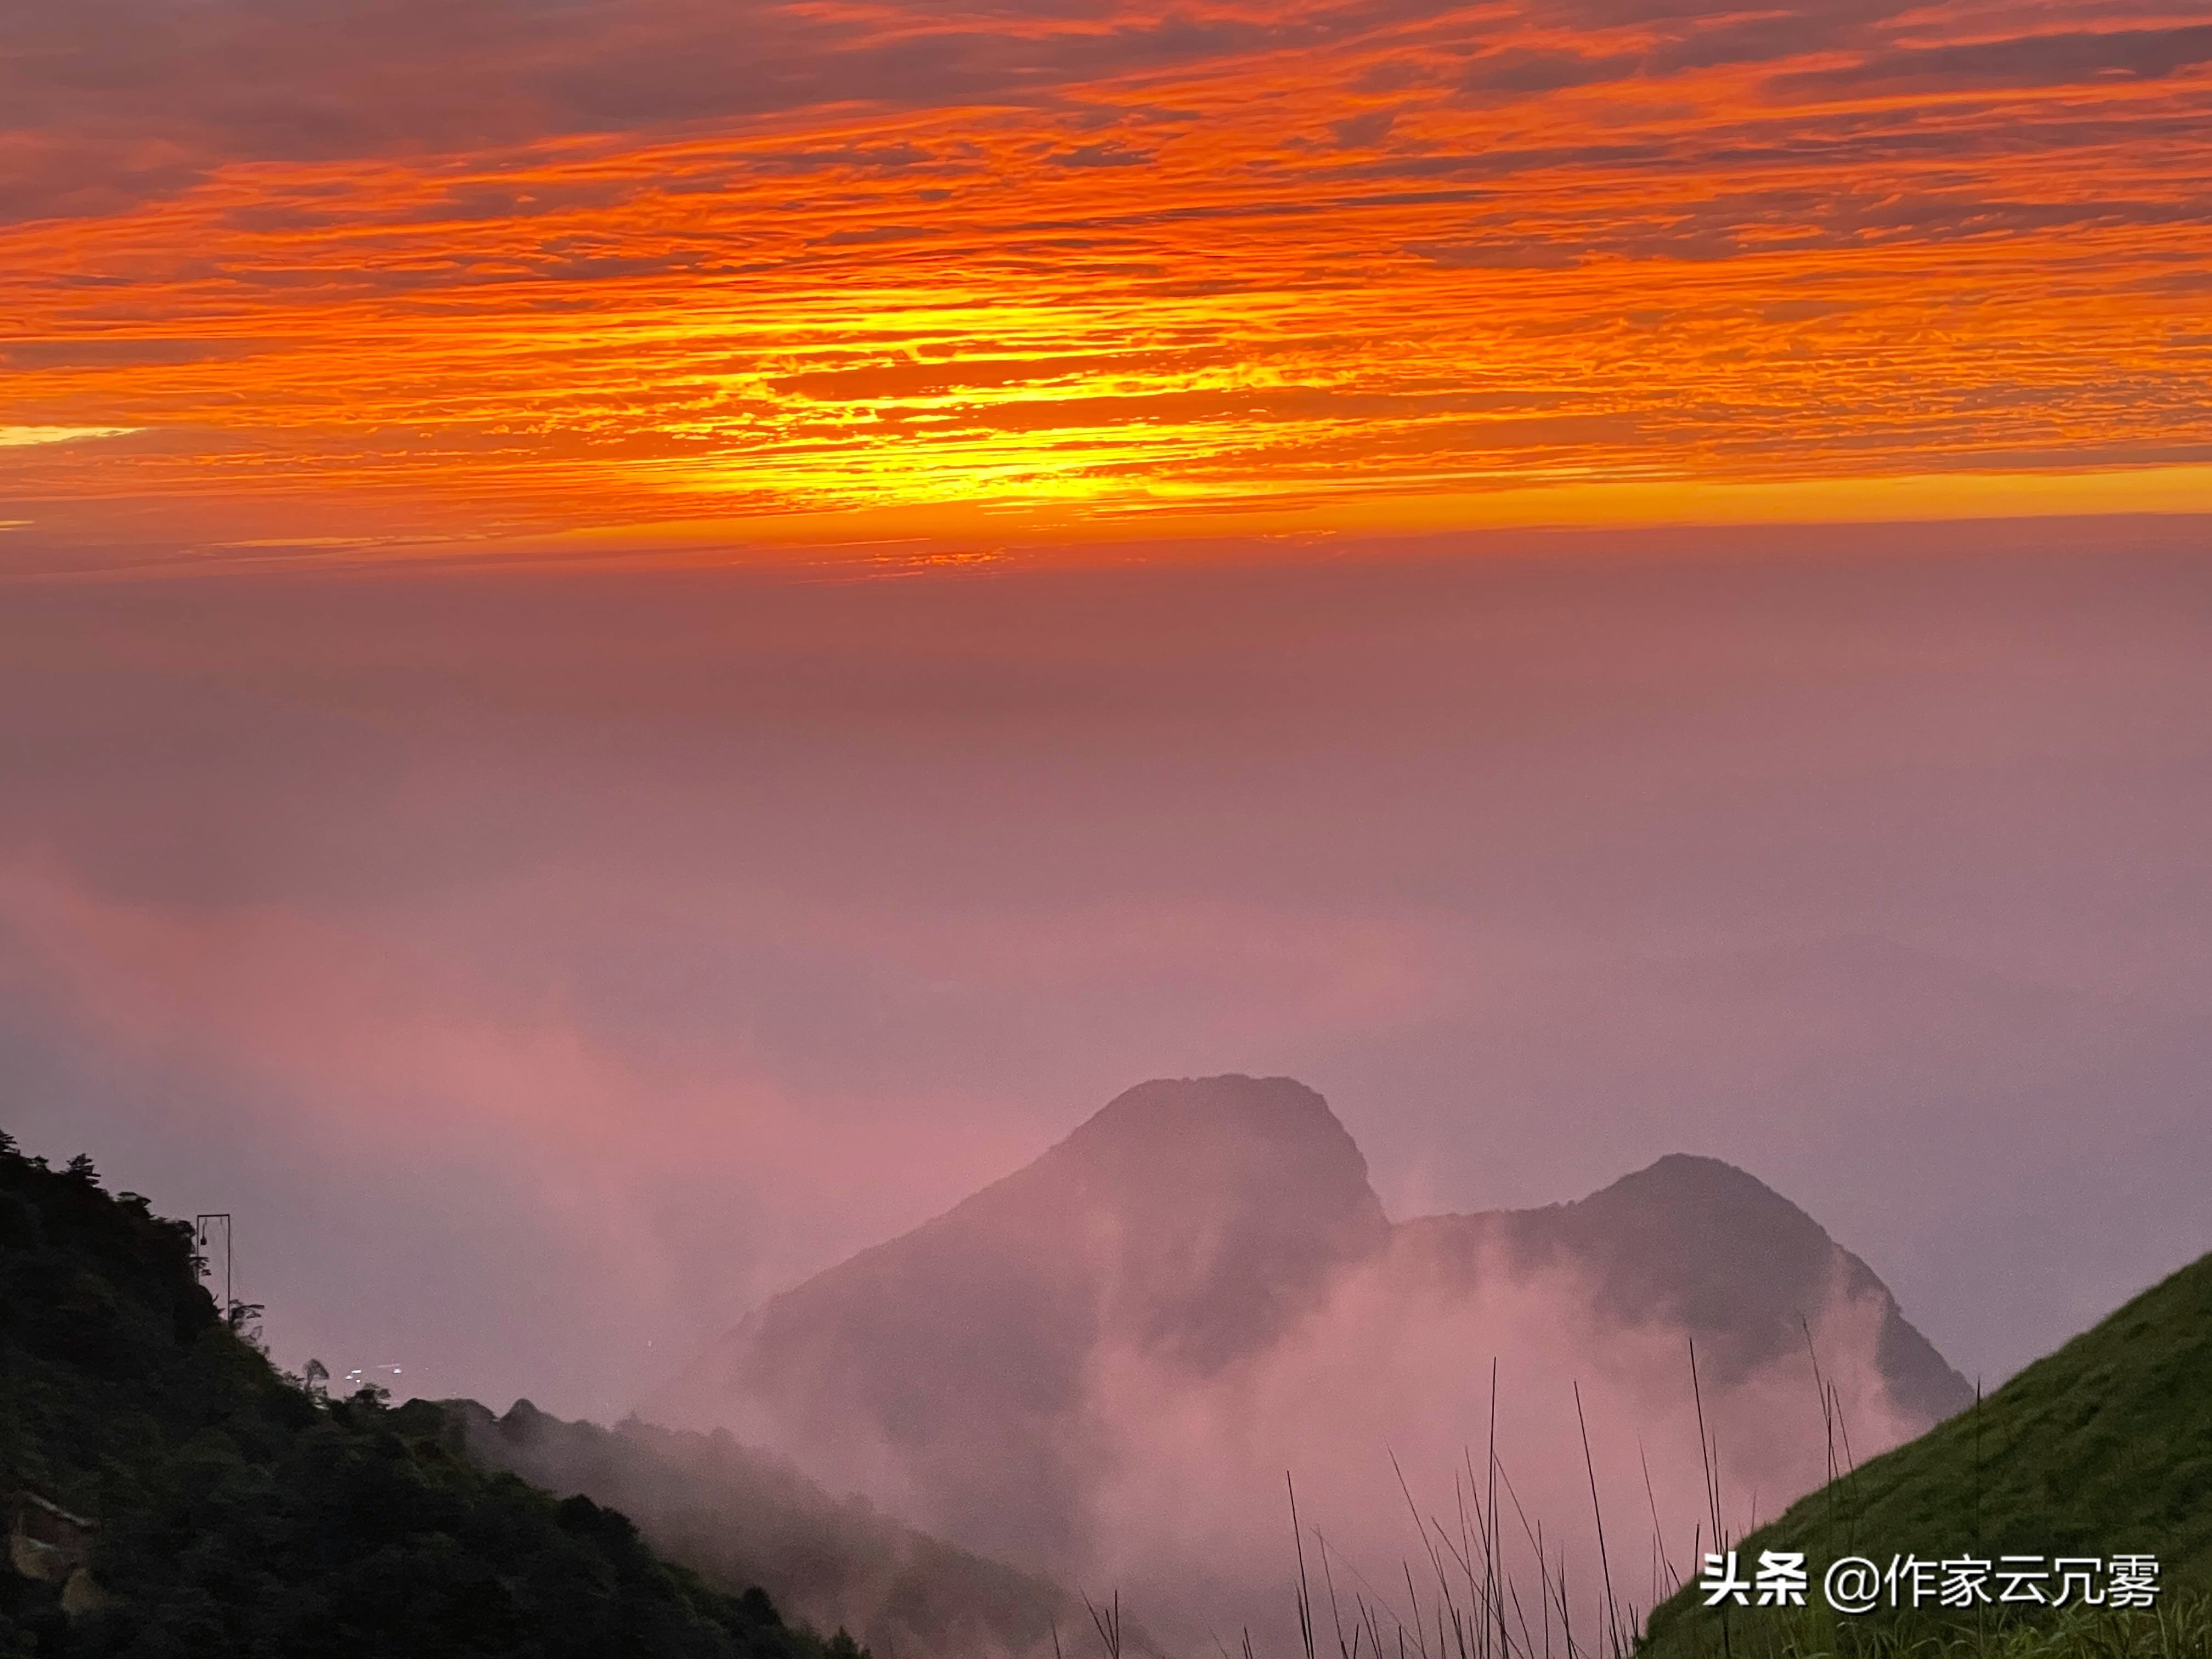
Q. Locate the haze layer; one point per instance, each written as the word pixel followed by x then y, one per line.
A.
pixel 547 969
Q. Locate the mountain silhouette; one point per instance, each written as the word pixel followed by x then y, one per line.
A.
pixel 1191 1226
pixel 1193 1219
pixel 1697 1243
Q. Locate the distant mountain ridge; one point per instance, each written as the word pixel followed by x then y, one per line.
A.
pixel 1698 1242
pixel 740 1517
pixel 1193 1223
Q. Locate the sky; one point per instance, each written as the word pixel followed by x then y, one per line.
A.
pixel 349 280
pixel 544 966
pixel 640 640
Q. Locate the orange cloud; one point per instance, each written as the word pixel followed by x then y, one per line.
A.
pixel 1076 270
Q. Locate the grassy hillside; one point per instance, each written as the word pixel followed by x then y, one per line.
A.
pixel 2103 1447
pixel 168 1493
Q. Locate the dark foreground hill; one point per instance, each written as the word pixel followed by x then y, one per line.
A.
pixel 741 1517
pixel 168 1495
pixel 2102 1449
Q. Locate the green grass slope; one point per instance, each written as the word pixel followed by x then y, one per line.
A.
pixel 167 1493
pixel 2102 1448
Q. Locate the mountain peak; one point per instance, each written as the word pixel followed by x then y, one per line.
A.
pixel 1190 1220
pixel 1279 1107
pixel 1189 1227
pixel 1221 1204
pixel 1267 1152
pixel 1688 1169
pixel 1713 1194
pixel 1698 1242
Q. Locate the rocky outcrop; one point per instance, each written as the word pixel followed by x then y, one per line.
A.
pixel 48 1545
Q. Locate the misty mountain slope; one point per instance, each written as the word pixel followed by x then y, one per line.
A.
pixel 2102 1448
pixel 169 1495
pixel 1101 1365
pixel 1190 1221
pixel 1696 1244
pixel 741 1517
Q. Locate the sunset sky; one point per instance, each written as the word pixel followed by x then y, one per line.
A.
pixel 642 640
pixel 334 280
